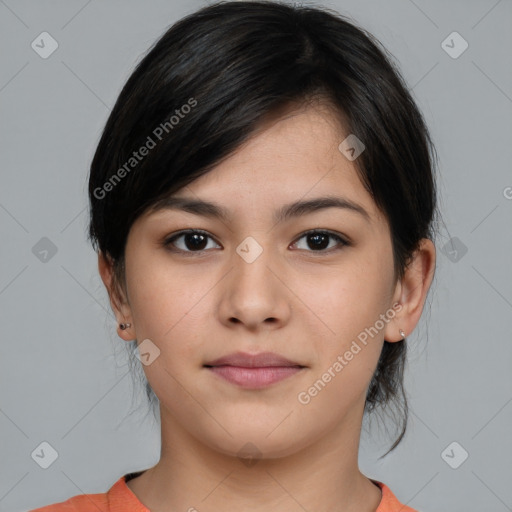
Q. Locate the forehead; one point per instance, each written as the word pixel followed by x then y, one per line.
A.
pixel 290 159
pixel 289 156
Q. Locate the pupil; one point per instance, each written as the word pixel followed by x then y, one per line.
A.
pixel 194 245
pixel 317 236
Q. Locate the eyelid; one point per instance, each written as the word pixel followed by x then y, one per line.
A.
pixel 168 240
pixel 342 240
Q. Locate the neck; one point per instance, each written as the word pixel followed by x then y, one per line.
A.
pixel 322 476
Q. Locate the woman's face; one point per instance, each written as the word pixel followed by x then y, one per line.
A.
pixel 254 282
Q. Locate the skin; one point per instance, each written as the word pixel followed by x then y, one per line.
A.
pixel 304 303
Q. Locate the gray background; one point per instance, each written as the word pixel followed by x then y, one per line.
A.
pixel 64 377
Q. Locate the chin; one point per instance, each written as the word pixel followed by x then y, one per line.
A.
pixel 249 444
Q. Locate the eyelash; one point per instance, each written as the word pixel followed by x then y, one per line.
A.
pixel 169 240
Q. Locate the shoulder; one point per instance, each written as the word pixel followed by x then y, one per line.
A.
pixel 79 503
pixel 118 498
pixel 389 502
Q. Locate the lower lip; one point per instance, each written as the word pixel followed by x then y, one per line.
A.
pixel 254 378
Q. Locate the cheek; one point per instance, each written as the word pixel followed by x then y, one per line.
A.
pixel 167 305
pixel 349 338
pixel 346 300
pixel 345 349
pixel 166 311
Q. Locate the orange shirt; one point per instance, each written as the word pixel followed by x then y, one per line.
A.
pixel 120 498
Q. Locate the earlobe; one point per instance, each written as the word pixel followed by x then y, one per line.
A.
pixel 393 333
pixel 412 291
pixel 119 306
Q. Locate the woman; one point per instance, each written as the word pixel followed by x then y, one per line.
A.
pixel 262 201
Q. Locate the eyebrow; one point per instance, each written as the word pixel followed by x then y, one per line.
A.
pixel 286 212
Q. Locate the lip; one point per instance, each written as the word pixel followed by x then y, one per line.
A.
pixel 253 371
pixel 246 360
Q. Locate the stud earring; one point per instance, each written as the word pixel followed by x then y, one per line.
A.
pixel 124 326
pixel 402 333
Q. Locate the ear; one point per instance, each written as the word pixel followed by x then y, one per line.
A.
pixel 117 297
pixel 411 291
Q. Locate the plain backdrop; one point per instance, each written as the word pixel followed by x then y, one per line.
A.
pixel 64 374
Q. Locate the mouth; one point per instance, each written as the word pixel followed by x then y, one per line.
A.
pixel 253 371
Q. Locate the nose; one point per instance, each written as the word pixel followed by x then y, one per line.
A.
pixel 253 294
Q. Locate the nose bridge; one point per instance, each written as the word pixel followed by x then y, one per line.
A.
pixel 253 290
pixel 251 261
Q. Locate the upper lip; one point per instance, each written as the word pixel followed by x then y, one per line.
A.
pixel 246 360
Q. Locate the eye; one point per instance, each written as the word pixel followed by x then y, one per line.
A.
pixel 194 240
pixel 318 240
